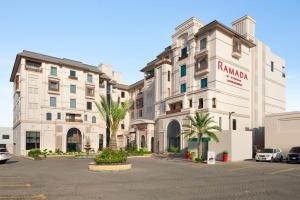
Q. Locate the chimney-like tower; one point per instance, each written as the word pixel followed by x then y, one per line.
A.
pixel 245 26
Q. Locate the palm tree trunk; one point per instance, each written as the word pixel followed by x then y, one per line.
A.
pixel 199 147
pixel 113 141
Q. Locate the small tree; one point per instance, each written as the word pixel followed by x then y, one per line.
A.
pixel 200 125
pixel 113 113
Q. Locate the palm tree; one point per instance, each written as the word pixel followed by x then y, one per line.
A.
pixel 113 113
pixel 200 125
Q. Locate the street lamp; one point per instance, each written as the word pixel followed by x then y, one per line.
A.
pixel 230 113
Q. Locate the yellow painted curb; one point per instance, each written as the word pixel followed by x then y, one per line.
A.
pixel 119 167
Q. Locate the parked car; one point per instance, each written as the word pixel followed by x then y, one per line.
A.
pixel 4 155
pixel 270 154
pixel 294 155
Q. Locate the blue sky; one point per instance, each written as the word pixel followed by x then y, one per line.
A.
pixel 128 34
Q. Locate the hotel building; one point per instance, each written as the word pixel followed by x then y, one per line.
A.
pixel 224 71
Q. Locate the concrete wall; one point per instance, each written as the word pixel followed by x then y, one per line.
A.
pixel 238 144
pixel 282 130
pixel 9 143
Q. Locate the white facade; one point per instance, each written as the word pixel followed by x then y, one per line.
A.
pixel 7 138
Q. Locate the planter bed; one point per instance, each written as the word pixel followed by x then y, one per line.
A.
pixel 60 156
pixel 109 167
pixel 140 156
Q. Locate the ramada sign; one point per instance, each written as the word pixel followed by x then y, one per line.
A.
pixel 233 75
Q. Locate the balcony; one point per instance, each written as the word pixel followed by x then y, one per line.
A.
pixel 199 71
pixel 201 65
pixel 74 120
pixel 173 111
pixel 34 68
pixel 73 77
pixel 236 54
pixel 174 108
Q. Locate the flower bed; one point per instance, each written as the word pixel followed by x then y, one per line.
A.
pixel 108 156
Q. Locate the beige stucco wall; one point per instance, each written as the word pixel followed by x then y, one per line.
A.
pixel 282 130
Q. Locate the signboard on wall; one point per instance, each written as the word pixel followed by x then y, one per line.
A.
pixel 211 157
pixel 233 75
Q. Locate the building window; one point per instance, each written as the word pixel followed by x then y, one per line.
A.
pixel 73 89
pixel 183 71
pixel 203 43
pixel 191 103
pixel 33 64
pixel 272 66
pixel 5 137
pixel 89 91
pixel 49 116
pixel 203 64
pixel 283 71
pixel 85 118
pixel 32 140
pixel 204 83
pixel 89 105
pixel 140 113
pixel 169 76
pixel 72 103
pixel 89 78
pixel 169 92
pixel 94 120
pixel 237 46
pixel 123 94
pixel 200 103
pixel 233 124
pixel 72 73
pixel 53 86
pixel 53 71
pixel 132 115
pixel 52 101
pixel 220 122
pixel 58 115
pixel 183 88
pixel 123 126
pixel 100 142
pixel 184 52
pixel 214 102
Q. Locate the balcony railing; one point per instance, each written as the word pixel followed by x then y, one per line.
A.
pixel 173 111
pixel 74 120
pixel 34 68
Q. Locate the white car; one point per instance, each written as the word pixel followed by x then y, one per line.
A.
pixel 270 154
pixel 4 155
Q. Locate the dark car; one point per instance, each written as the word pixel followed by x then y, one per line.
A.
pixel 294 155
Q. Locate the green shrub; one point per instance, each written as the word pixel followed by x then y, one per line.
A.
pixel 174 149
pixel 58 151
pixel 44 153
pixel 198 160
pixel 108 156
pixel 34 153
pixel 134 152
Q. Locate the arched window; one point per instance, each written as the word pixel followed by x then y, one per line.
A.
pixel 143 141
pixel 94 119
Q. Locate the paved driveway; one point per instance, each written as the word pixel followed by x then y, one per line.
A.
pixel 150 178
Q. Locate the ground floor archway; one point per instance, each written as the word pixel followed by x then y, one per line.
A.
pixel 173 135
pixel 74 140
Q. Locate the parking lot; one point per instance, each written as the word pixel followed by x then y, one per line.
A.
pixel 150 178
